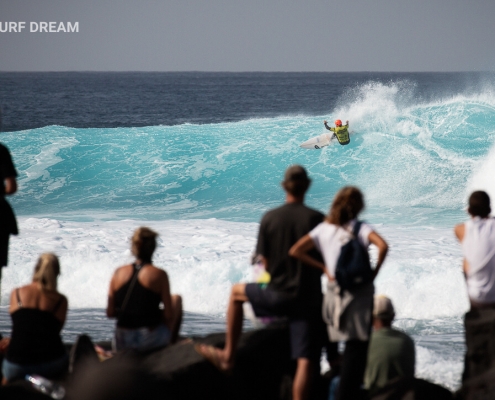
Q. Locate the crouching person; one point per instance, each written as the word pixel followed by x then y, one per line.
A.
pixel 38 313
pixel 134 298
pixel 391 352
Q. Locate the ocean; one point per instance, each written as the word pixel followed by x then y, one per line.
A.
pixel 199 157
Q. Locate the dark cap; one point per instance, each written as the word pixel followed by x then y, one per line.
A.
pixel 296 173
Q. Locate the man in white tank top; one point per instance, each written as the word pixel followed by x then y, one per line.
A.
pixel 477 237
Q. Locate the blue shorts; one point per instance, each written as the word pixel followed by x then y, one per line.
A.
pixel 307 329
pixel 142 339
pixel 51 369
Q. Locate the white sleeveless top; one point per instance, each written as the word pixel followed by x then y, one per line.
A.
pixel 478 247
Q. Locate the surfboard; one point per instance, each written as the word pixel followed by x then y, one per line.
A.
pixel 317 142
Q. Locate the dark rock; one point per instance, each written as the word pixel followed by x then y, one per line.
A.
pixel 412 389
pixel 263 370
pixel 262 363
pixel 480 342
pixel 478 379
pixel 481 387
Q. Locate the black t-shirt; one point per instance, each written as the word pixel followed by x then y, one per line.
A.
pixel 7 168
pixel 280 228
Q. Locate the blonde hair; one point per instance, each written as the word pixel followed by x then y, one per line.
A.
pixel 144 243
pixel 346 206
pixel 46 271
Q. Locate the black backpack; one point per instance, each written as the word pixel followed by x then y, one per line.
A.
pixel 353 265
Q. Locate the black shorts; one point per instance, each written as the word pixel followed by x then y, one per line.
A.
pixel 307 329
pixel 307 337
pixel 267 302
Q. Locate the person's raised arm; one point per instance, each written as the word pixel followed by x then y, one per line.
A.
pixel 326 126
pixel 347 124
pixel 300 251
pixel 10 185
pixel 382 245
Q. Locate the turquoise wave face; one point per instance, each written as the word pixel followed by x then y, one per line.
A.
pixel 413 160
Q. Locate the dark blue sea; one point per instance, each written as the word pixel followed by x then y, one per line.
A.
pixel 199 157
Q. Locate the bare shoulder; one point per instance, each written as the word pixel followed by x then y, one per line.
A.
pixel 153 278
pixel 52 298
pixel 123 270
pixel 156 273
pixel 26 291
pixel 121 275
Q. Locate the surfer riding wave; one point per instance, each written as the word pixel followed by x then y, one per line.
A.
pixel 340 132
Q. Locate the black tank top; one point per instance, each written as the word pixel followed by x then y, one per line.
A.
pixel 35 335
pixel 142 308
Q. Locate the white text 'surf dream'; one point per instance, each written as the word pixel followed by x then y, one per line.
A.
pixel 39 27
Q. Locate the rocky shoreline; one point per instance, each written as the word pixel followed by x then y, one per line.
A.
pixel 263 370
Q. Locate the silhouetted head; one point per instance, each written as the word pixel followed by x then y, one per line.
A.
pixel 479 204
pixel 46 271
pixel 296 181
pixel 144 243
pixel 346 206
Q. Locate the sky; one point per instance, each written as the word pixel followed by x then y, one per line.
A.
pixel 251 35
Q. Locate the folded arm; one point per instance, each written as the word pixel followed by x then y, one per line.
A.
pixel 300 251
pixel 382 245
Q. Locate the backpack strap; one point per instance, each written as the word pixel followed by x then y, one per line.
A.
pixel 357 227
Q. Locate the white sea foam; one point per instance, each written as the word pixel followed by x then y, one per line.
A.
pixel 441 362
pixel 482 179
pixel 205 257
pixel 202 258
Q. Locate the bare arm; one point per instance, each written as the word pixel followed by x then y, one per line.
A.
pixel 459 231
pixel 10 185
pixel 300 251
pixel 167 301
pixel 13 302
pixel 61 313
pixel 382 245
pixel 111 313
